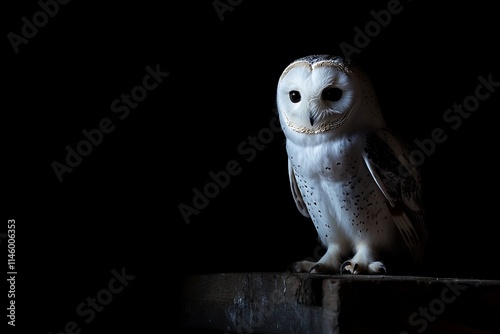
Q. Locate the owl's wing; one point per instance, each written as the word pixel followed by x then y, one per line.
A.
pixel 299 201
pixel 388 162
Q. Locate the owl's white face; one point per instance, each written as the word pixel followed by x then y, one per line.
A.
pixel 318 93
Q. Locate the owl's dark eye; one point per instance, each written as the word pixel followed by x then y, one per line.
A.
pixel 294 96
pixel 331 94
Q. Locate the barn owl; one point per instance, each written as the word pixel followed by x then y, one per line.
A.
pixel 348 172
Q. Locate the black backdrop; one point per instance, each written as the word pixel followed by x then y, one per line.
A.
pixel 119 207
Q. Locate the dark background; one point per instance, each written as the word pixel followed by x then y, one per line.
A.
pixel 119 207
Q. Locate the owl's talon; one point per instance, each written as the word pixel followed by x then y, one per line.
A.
pixel 313 268
pixel 377 267
pixel 382 270
pixel 344 267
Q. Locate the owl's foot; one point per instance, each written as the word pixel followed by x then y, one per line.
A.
pixel 322 268
pixel 351 267
pixel 328 264
pixel 312 267
pixel 302 266
pixel 363 262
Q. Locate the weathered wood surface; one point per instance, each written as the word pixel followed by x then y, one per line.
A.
pixel 303 303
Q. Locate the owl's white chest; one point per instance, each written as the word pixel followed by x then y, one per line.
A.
pixel 344 202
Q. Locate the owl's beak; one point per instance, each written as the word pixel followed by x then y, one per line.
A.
pixel 311 120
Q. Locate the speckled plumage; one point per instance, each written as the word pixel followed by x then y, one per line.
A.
pixel 348 172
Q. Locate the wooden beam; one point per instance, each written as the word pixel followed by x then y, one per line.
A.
pixel 304 303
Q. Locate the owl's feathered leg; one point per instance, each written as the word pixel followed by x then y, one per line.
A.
pixel 363 262
pixel 328 264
